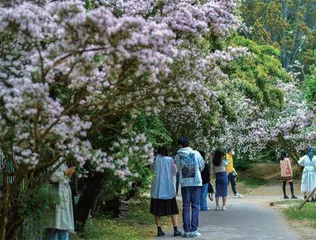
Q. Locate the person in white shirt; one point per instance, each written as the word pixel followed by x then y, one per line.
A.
pixel 219 167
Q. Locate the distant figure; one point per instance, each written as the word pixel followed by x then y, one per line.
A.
pixel 206 181
pixel 62 219
pixel 163 201
pixel 232 174
pixel 190 164
pixel 286 174
pixel 219 167
pixel 309 173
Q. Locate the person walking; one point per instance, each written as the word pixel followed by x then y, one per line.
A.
pixel 163 201
pixel 206 181
pixel 190 164
pixel 286 174
pixel 232 174
pixel 308 182
pixel 221 183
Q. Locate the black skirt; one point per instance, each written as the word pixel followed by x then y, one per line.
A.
pixel 164 207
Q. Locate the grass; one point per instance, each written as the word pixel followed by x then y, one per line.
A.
pixel 306 215
pixel 253 182
pixel 139 224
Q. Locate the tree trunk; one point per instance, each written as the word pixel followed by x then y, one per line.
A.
pixel 88 198
pixel 5 207
pixel 284 12
pixel 14 226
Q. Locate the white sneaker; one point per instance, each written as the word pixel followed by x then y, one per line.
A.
pixel 238 195
pixel 224 208
pixel 217 208
pixel 186 235
pixel 195 234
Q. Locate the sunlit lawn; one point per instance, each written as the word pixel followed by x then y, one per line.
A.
pixel 139 224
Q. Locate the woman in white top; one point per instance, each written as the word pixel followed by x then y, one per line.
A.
pixel 219 167
pixel 309 173
pixel 62 219
pixel 163 201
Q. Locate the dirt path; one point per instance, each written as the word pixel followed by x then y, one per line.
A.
pixel 243 220
pixel 252 218
pixel 265 195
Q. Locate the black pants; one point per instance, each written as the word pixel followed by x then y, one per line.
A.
pixel 291 187
pixel 232 180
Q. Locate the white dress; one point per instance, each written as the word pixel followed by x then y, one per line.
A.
pixel 309 174
pixel 62 218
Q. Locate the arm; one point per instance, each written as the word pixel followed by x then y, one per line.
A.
pixel 201 161
pixel 301 162
pixel 177 160
pixel 62 173
pixel 173 167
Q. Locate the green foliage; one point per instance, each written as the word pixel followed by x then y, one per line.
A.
pixel 310 86
pixel 289 25
pixel 38 202
pixel 257 74
pixel 34 207
pixel 154 128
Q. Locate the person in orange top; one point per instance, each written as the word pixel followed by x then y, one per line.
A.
pixel 286 174
pixel 231 173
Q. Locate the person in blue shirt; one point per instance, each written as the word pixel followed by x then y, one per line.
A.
pixel 190 164
pixel 163 201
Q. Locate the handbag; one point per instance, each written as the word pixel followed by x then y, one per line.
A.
pixel 210 191
pixel 288 170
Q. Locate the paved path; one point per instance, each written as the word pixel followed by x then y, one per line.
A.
pixel 243 220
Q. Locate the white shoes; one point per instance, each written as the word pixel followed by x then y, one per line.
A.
pixel 218 208
pixel 238 195
pixel 195 234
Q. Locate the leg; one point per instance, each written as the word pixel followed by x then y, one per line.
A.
pixel 224 201
pixel 177 182
pixel 63 235
pixel 159 230
pixel 51 234
pixel 284 190
pixel 157 220
pixel 228 179
pixel 195 200
pixel 203 200
pixel 233 182
pixel 292 190
pixel 186 192
pixel 174 219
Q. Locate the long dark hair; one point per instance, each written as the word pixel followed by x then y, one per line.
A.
pixel 283 155
pixel 218 157
pixel 163 150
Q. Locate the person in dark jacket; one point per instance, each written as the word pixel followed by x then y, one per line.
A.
pixel 205 179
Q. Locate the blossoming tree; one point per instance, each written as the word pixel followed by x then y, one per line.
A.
pixel 293 127
pixel 65 70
